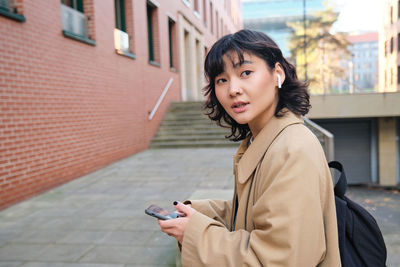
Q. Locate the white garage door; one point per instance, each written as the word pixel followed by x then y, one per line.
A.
pixel 352 147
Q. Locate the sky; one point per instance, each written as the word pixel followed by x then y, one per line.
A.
pixel 355 15
pixel 358 15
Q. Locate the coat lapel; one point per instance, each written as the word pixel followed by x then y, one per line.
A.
pixel 246 160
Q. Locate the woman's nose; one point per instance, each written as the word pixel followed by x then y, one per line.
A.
pixel 234 89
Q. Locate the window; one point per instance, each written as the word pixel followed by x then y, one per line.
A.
pixel 123 30
pixel 152 34
pixel 75 22
pixel 391 45
pixel 398 42
pixel 391 76
pixel 385 48
pixel 221 25
pixel 75 4
pixel 398 74
pixel 385 78
pixel 216 21
pixel 172 43
pixel 211 18
pixel 120 22
pixel 12 9
pixel 196 6
pixel 391 15
pixel 205 12
pixel 398 10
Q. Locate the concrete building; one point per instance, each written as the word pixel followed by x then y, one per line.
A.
pixel 366 129
pixel 365 125
pixel 389 47
pixel 364 58
pixel 81 80
pixel 362 68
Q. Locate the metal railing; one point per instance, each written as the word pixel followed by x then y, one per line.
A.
pixel 325 138
pixel 160 99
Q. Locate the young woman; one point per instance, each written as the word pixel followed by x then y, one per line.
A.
pixel 283 209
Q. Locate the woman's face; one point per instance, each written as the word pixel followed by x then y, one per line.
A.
pixel 248 92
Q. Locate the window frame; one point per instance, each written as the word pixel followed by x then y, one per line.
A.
pixel 120 16
pixel 12 13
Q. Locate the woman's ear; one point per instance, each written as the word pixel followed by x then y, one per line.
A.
pixel 280 74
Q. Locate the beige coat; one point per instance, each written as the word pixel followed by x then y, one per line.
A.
pixel 286 213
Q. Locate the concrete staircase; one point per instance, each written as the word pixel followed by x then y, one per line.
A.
pixel 185 125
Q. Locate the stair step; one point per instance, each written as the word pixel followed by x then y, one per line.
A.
pixel 193 138
pixel 187 133
pixel 193 144
pixel 186 125
pixel 185 117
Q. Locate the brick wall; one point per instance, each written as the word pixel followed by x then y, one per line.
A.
pixel 69 108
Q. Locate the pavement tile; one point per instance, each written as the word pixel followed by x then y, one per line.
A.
pixel 130 238
pixel 10 264
pixel 53 212
pixel 141 224
pixel 92 210
pixel 159 238
pixel 21 252
pixel 101 224
pixel 156 255
pixel 99 221
pixel 65 223
pixel 41 236
pixel 62 252
pixel 53 264
pixel 84 237
pixel 7 236
pixel 112 254
pixel 120 213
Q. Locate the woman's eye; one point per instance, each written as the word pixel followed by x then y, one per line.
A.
pixel 246 73
pixel 220 81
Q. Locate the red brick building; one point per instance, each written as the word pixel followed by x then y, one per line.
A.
pixel 79 78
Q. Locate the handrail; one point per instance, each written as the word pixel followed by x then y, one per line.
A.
pixel 328 139
pixel 160 99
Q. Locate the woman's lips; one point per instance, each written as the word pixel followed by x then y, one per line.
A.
pixel 239 107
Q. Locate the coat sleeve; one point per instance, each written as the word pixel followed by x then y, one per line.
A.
pixel 287 215
pixel 219 210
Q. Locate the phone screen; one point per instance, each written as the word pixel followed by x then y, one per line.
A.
pixel 160 213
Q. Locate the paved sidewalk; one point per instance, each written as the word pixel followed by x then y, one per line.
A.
pixel 98 220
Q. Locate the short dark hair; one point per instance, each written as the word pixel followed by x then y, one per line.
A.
pixel 293 95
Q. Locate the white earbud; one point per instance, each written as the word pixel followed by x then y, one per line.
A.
pixel 279 80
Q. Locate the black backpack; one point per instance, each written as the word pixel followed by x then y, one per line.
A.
pixel 360 239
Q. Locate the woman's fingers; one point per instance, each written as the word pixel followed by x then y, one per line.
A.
pixel 167 224
pixel 176 227
pixel 186 209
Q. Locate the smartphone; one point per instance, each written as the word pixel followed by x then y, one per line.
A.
pixel 160 213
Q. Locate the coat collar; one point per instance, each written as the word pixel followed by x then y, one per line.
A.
pixel 247 157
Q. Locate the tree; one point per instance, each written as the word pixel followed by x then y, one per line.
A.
pixel 324 51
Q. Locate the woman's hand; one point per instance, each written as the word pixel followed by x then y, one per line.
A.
pixel 176 227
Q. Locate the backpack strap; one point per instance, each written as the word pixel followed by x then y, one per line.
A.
pixel 341 185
